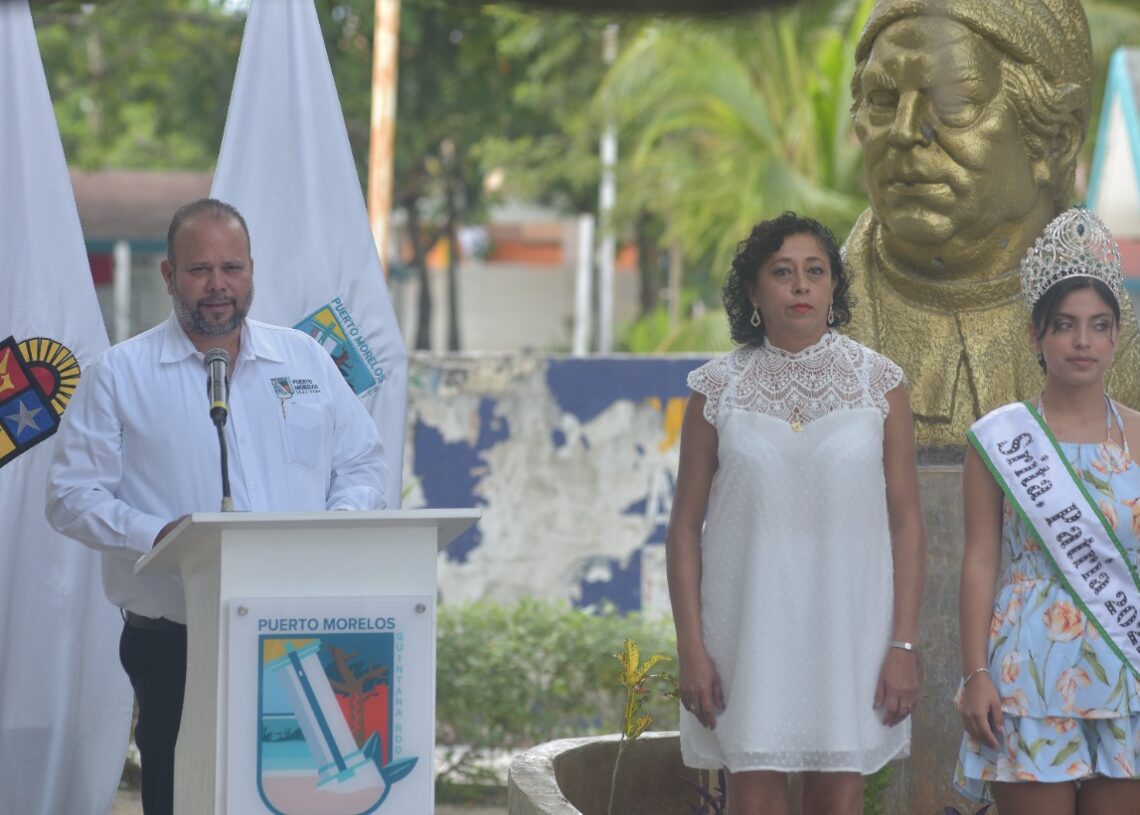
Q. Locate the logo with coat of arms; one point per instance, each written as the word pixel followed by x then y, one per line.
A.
pixel 334 327
pixel 282 387
pixel 37 379
pixel 326 721
pixel 330 705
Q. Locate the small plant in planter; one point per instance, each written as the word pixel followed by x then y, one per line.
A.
pixel 711 789
pixel 711 802
pixel 633 677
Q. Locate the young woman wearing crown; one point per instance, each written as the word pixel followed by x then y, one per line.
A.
pixel 1050 693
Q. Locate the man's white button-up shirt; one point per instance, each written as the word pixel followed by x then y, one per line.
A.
pixel 137 449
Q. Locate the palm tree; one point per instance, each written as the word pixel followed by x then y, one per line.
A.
pixel 726 123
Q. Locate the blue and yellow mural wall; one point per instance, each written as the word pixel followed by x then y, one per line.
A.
pixel 572 461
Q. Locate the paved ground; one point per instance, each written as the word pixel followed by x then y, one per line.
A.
pixel 127 803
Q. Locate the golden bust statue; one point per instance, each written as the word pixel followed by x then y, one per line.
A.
pixel 972 114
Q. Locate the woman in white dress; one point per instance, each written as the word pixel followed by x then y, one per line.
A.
pixel 796 545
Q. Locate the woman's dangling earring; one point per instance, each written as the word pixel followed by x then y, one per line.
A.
pixel 756 321
pixel 830 315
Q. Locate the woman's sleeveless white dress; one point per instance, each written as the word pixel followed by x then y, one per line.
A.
pixel 796 587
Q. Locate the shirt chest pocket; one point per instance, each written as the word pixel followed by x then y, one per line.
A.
pixel 305 430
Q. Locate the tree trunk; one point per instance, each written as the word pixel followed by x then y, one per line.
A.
pixel 97 66
pixel 356 713
pixel 419 263
pixel 452 271
pixel 424 310
pixel 676 275
pixel 648 231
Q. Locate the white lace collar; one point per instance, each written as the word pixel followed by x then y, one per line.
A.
pixel 820 346
pixel 835 373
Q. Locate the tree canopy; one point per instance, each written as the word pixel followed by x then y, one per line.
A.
pixel 721 121
pixel 136 90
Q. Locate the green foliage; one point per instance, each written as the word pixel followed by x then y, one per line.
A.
pixel 635 677
pixel 645 334
pixel 550 152
pixel 874 787
pixel 454 90
pixel 139 90
pixel 731 122
pixel 721 121
pixel 510 677
pixel 652 334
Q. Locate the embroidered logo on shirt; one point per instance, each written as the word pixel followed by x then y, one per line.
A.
pixel 37 378
pixel 283 387
pixel 335 329
pixel 286 387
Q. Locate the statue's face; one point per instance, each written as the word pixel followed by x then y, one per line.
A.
pixel 944 158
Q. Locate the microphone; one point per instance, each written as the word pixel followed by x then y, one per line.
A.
pixel 217 363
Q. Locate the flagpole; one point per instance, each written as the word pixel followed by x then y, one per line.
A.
pixel 607 196
pixel 382 131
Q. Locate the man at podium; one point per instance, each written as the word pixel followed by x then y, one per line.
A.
pixel 140 447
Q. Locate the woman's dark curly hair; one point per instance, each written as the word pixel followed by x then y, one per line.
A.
pixel 764 241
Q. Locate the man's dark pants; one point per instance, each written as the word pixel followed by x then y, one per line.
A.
pixel 153 653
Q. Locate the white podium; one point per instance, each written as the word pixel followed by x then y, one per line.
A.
pixel 310 684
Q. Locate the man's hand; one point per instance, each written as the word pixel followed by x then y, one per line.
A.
pixel 162 533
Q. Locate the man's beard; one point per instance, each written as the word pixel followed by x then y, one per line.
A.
pixel 195 322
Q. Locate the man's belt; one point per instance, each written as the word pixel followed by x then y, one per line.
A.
pixel 153 623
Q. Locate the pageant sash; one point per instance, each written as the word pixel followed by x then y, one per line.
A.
pixel 1040 484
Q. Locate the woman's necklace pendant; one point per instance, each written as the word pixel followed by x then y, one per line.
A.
pixel 796 426
pixel 1109 412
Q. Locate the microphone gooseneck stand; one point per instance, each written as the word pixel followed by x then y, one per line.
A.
pixel 217 387
pixel 227 501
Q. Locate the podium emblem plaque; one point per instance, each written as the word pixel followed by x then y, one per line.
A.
pixel 330 705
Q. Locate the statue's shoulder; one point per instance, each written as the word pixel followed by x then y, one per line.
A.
pixel 859 263
pixel 877 367
pixel 856 251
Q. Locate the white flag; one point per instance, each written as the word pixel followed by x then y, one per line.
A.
pixel 65 703
pixel 287 166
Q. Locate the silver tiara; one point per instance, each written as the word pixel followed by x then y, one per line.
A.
pixel 1076 244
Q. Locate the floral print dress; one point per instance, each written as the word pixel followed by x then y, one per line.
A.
pixel 1071 707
